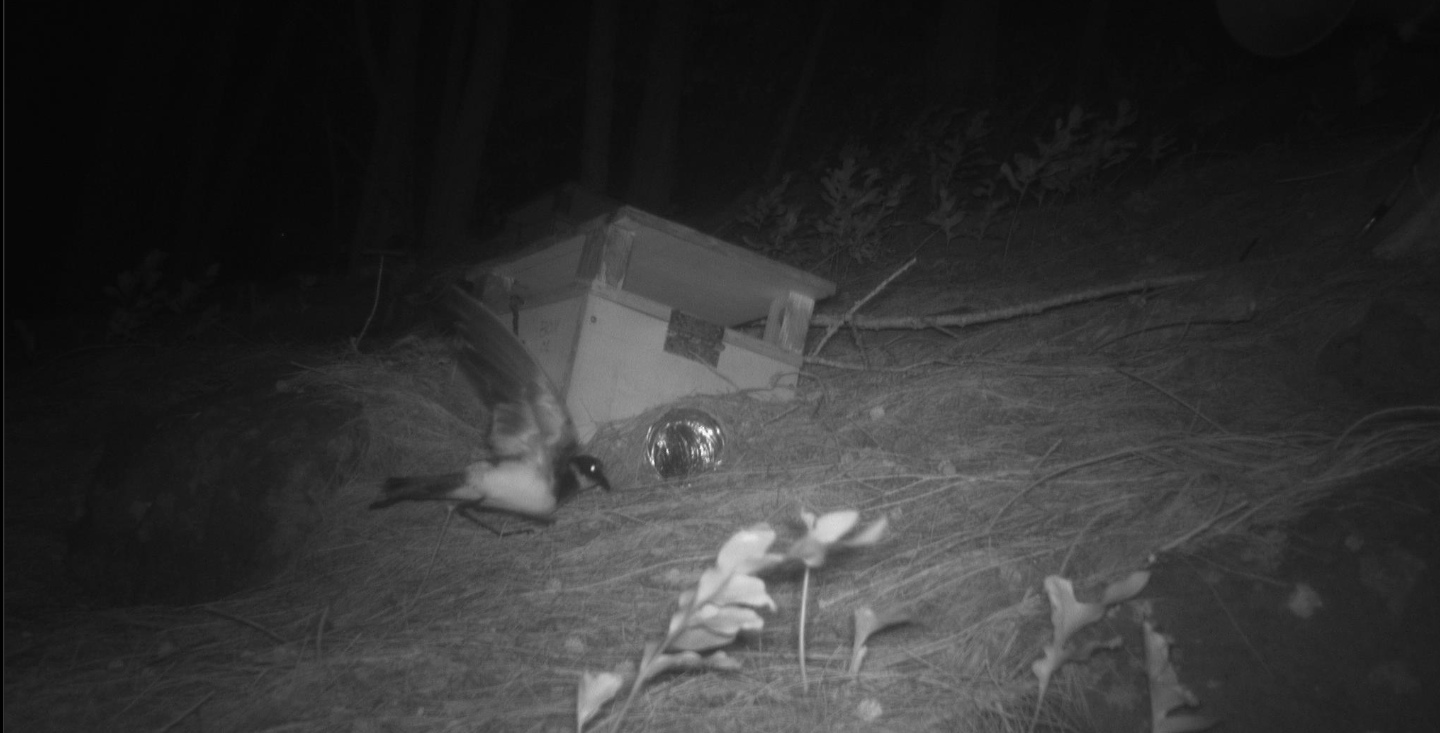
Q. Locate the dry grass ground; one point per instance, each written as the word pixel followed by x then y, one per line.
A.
pixel 1080 442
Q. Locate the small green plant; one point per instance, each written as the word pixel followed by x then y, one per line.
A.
pixel 1080 146
pixel 1069 616
pixel 1167 696
pixel 953 148
pixel 947 214
pixel 822 534
pixel 868 622
pixel 1161 146
pixel 774 220
pixel 859 211
pixel 956 153
pixel 726 601
pixel 142 293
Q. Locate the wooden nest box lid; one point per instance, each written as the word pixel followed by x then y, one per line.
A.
pixel 664 262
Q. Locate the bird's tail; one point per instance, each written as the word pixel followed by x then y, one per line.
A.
pixel 420 488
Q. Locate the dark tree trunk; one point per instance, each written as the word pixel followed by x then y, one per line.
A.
pixel 1090 65
pixel 224 193
pixel 599 98
pixel 802 91
pixel 963 49
pixel 471 92
pixel 114 202
pixel 652 176
pixel 201 148
pixel 387 195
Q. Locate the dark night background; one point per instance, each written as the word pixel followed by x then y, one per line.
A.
pixel 1204 320
pixel 240 132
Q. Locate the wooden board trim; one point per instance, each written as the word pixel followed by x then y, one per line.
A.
pixel 732 337
pixel 753 263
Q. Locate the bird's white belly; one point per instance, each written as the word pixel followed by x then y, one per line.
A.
pixel 518 487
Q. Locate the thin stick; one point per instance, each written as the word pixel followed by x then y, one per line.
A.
pixel 1003 314
pixel 1203 526
pixel 445 529
pixel 1005 253
pixel 247 622
pixel 645 670
pixel 1193 409
pixel 320 632
pixel 1239 630
pixel 833 364
pixel 836 324
pixel 1122 453
pixel 1382 413
pixel 1076 542
pixel 1046 457
pixel 374 305
pixel 188 712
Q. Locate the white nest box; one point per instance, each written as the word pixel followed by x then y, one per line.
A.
pixel 629 311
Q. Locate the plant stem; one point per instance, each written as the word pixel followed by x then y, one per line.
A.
pixel 374 306
pixel 644 672
pixel 804 599
pixel 1014 219
pixel 630 698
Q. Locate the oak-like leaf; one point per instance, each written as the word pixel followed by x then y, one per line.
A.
pixel 868 621
pixel 870 535
pixel 717 587
pixel 1123 590
pixel 747 551
pixel 829 528
pixel 693 660
pixel 1068 615
pixel 712 626
pixel 1045 666
pixel 595 690
pixel 1166 693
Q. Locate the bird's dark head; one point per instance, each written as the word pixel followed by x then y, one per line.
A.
pixel 590 471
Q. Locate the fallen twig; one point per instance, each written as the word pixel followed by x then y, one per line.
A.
pixel 245 622
pixel 864 368
pixel 835 325
pixel 998 314
pixel 188 712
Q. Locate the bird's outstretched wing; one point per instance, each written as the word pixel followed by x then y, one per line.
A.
pixel 527 418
